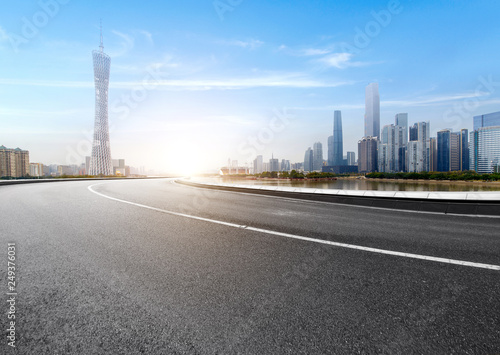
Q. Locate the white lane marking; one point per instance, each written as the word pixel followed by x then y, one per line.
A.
pixel 308 239
pixel 341 204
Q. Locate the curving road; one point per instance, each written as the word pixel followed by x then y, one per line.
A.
pixel 151 266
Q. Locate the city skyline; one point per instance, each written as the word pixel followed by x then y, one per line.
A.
pixel 189 78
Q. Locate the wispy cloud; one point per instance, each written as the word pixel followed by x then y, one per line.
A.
pixel 249 44
pixel 47 83
pixel 434 100
pixel 271 81
pixel 417 102
pixel 127 44
pixel 20 112
pixel 342 61
pixel 147 35
pixel 314 51
pixel 3 35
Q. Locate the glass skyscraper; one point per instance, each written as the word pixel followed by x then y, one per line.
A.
pixel 372 111
pixel 338 145
pixel 487 120
pixel 485 149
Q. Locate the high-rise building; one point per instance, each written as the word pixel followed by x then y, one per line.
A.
pixel 367 154
pixel 330 151
pixel 308 160
pixel 274 164
pixel 433 154
pixel 372 111
pixel 400 141
pixel 14 162
pixel 100 160
pixel 455 157
pixel 351 158
pixel 338 144
pixel 285 165
pixel 393 144
pixel 412 158
pixel 418 158
pixel 464 149
pixel 386 149
pixel 449 150
pixel 414 132
pixel 487 120
pixel 317 156
pixel 258 167
pixel 485 149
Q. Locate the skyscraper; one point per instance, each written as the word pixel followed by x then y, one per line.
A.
pixel 464 149
pixel 413 132
pixel 338 144
pixel 274 164
pixel 351 158
pixel 485 149
pixel 450 150
pixel 487 120
pixel 330 151
pixel 308 160
pixel 372 111
pixel 258 167
pixel 317 156
pixel 367 155
pixel 433 154
pixel 100 160
pixel 386 150
pixel 418 151
pixel 400 141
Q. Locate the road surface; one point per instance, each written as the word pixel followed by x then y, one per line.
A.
pixel 151 266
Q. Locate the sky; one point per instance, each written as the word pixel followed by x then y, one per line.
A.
pixel 195 83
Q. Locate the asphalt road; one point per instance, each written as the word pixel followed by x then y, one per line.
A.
pixel 131 275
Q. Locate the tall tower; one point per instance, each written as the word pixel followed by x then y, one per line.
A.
pixel 100 160
pixel 372 111
pixel 338 144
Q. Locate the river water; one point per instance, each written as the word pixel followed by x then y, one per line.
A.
pixel 365 184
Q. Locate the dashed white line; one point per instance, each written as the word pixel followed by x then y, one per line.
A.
pixel 308 239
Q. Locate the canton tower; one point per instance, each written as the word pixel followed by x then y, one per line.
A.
pixel 100 160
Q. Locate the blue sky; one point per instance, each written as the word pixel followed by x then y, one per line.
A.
pixel 221 74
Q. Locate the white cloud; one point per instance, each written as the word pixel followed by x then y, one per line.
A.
pixel 250 44
pixel 148 35
pixel 314 51
pixel 341 61
pixel 3 35
pixel 127 44
pixel 438 100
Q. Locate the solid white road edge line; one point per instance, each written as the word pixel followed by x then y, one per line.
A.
pixel 308 239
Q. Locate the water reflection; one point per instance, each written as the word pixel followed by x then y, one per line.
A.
pixel 362 184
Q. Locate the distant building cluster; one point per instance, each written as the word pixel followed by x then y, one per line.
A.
pixel 14 163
